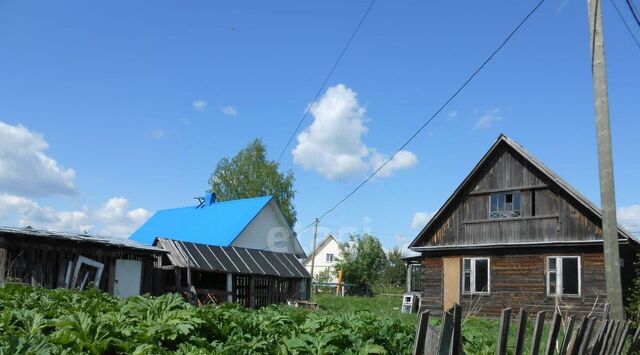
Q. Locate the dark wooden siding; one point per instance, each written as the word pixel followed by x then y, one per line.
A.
pixel 431 295
pixel 554 217
pixel 519 281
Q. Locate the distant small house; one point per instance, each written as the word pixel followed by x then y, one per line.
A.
pixel 325 257
pixel 76 260
pixel 515 234
pixel 239 251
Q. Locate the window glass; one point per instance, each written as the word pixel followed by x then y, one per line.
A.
pixel 329 257
pixel 482 275
pixel 570 276
pixel 467 264
pixel 467 281
pixel 416 278
pixel 505 204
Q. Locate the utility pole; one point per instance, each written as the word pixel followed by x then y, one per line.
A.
pixel 605 160
pixel 313 253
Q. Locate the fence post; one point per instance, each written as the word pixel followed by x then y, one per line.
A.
pixel 594 347
pixel 567 336
pixel 456 346
pixel 576 340
pixel 421 333
pixel 537 333
pixel 505 320
pixel 522 329
pixel 444 347
pixel 553 333
pixel 622 338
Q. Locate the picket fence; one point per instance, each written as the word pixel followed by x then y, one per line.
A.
pixel 586 336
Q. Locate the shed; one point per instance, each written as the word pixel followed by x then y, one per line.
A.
pixel 251 277
pixel 51 259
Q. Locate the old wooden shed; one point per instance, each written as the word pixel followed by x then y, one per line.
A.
pixel 75 260
pixel 251 277
pixel 515 234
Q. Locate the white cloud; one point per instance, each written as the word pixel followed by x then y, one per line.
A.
pixel 229 111
pixel 420 219
pixel 488 119
pixel 199 105
pixel 185 121
pixel 629 216
pixel 453 114
pixel 333 144
pixel 24 167
pixel 366 220
pixel 404 159
pixel 112 219
pixel 158 133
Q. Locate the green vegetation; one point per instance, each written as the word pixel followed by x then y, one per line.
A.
pixel 250 174
pixel 39 321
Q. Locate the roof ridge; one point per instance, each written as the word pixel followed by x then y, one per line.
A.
pixel 226 202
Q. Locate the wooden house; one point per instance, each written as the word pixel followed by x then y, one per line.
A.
pixel 324 258
pixel 76 260
pixel 515 234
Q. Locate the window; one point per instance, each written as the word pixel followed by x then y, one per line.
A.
pixel 563 276
pixel 415 284
pixel 505 205
pixel 330 258
pixel 476 276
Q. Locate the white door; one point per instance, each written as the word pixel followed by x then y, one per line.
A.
pixel 128 277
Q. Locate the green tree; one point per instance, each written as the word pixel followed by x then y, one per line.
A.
pixel 362 259
pixel 250 174
pixel 395 270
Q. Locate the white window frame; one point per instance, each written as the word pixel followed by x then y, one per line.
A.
pixel 559 272
pixel 326 258
pixel 472 287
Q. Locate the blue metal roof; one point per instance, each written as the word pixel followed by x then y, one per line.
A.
pixel 216 224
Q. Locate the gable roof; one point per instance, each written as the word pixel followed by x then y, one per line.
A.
pixel 321 246
pixel 219 223
pixel 235 260
pixel 504 141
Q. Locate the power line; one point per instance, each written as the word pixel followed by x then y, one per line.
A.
pixel 446 102
pixel 634 11
pixel 624 21
pixel 326 79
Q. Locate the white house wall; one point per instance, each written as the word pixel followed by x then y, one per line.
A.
pixel 321 263
pixel 267 231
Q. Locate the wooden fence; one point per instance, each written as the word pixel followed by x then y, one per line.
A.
pixel 584 336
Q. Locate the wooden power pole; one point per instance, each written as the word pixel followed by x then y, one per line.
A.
pixel 313 252
pixel 605 160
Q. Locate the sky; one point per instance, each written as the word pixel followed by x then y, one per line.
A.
pixel 111 111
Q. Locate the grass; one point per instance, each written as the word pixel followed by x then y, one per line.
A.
pixel 384 306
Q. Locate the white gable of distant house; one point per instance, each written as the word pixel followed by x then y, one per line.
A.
pixel 269 231
pixel 323 260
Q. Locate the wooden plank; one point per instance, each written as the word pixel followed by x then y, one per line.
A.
pixel 568 333
pixel 503 336
pixel 634 340
pixel 456 347
pixel 3 265
pixel 522 330
pixel 537 333
pixel 594 344
pixel 553 333
pixel 578 337
pixel 446 334
pixel 421 334
pixel 605 312
pixel 610 338
pixel 622 338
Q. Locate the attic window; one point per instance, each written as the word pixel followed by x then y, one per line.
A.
pixel 330 258
pixel 563 276
pixel 505 205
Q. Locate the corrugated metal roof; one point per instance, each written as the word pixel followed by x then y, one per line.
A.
pixel 80 237
pixel 218 223
pixel 232 259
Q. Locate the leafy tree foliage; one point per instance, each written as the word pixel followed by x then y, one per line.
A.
pixel 395 270
pixel 362 259
pixel 250 174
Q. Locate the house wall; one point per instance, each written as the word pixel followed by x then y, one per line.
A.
pixel 547 214
pixel 518 280
pixel 321 263
pixel 269 232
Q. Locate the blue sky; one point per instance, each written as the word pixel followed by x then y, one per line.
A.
pixel 112 111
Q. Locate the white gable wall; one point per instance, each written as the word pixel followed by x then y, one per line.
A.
pixel 268 231
pixel 321 263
